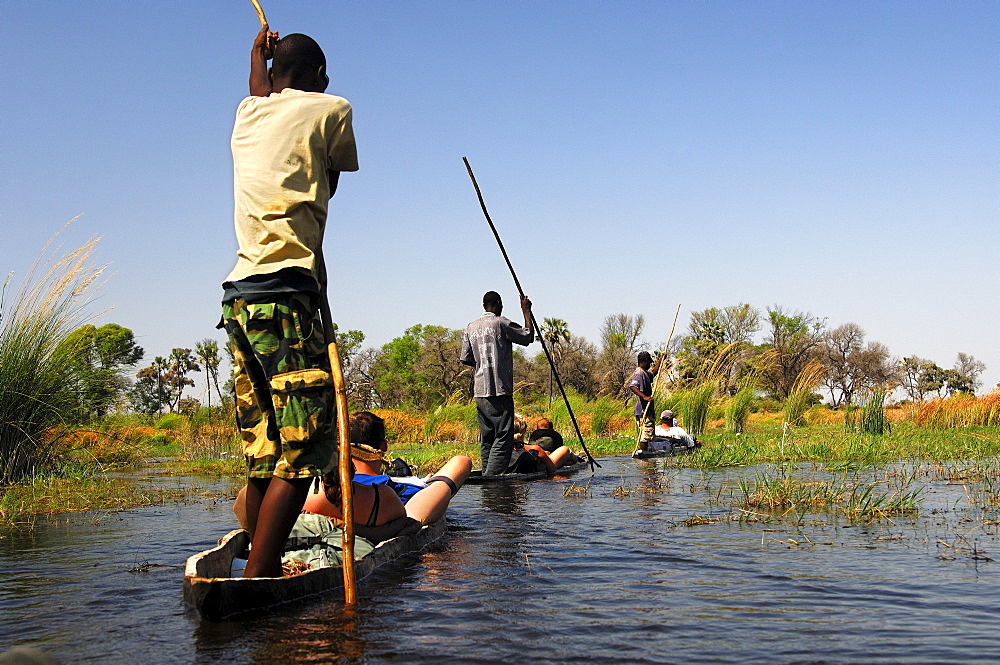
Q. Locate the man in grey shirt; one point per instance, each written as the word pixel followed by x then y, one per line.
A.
pixel 486 345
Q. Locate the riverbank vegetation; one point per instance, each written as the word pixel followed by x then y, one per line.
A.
pixel 71 413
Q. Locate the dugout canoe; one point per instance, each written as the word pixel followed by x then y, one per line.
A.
pixel 477 477
pixel 676 450
pixel 214 594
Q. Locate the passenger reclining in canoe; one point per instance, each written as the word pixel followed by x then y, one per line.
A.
pixel 531 458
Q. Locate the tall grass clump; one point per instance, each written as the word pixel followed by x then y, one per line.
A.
pixel 602 411
pixel 800 396
pixel 37 378
pixel 740 405
pixel 961 411
pixel 560 414
pixel 871 415
pixel 692 406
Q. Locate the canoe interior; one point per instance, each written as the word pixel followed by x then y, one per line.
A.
pixel 210 591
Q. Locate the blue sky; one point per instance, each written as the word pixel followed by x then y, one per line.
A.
pixel 838 158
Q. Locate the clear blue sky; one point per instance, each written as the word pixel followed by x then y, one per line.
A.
pixel 839 158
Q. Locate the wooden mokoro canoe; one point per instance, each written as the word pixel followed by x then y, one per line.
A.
pixel 477 478
pixel 215 595
pixel 677 450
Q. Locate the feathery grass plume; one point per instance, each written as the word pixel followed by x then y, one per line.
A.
pixel 872 418
pixel 37 377
pixel 802 390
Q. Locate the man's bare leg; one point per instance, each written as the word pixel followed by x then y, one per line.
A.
pixel 280 507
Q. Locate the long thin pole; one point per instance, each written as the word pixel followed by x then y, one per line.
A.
pixel 344 466
pixel 534 323
pixel 652 388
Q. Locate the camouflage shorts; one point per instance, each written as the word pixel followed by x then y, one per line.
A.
pixel 284 392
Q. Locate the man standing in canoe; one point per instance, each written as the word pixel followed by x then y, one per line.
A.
pixel 290 142
pixel 641 384
pixel 487 346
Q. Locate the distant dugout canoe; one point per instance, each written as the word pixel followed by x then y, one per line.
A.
pixel 477 477
pixel 215 595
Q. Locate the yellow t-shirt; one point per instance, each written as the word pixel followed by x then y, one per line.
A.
pixel 283 146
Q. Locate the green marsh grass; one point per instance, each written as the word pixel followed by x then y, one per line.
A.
pixel 871 416
pixel 37 378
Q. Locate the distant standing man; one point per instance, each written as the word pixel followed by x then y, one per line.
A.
pixel 290 142
pixel 487 346
pixel 642 385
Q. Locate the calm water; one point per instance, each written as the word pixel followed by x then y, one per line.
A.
pixel 528 575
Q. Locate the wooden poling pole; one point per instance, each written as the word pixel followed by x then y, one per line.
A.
pixel 534 323
pixel 260 13
pixel 652 388
pixel 344 465
pixel 346 485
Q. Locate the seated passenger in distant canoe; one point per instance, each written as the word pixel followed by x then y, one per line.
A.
pixel 532 458
pixel 668 436
pixel 548 439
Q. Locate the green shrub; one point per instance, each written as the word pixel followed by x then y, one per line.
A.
pixel 171 421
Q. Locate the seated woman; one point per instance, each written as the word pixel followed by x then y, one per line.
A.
pixel 379 512
pixel 425 500
pixel 531 458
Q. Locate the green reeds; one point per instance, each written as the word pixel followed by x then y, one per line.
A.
pixel 37 378
pixel 740 405
pixel 871 419
pixel 692 406
pixel 602 410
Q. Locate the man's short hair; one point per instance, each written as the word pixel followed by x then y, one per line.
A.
pixel 644 357
pixel 295 56
pixel 491 299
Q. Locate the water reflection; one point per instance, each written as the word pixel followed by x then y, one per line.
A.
pixel 527 572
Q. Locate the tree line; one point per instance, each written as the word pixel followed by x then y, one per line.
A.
pixel 420 368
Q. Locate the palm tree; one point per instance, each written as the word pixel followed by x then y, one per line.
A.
pixel 556 333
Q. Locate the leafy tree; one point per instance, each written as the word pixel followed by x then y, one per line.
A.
pixel 794 339
pixel 421 368
pixel 180 363
pixel 207 353
pixel 619 345
pixel 850 366
pixel 101 355
pixel 909 371
pixel 162 383
pixel 716 335
pixel 149 393
pixel 556 334
pixel 968 370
